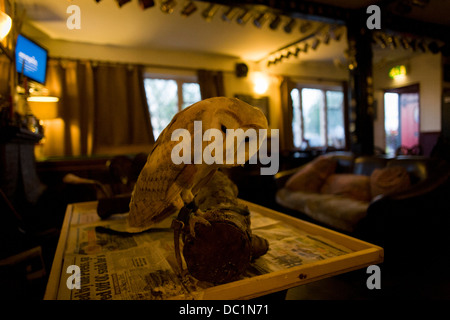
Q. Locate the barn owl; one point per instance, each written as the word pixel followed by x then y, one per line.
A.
pixel 164 187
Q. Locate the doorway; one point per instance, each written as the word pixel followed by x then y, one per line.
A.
pixel 401 119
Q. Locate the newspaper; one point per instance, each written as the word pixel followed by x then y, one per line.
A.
pixel 143 266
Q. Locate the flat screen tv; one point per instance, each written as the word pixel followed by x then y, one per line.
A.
pixel 31 59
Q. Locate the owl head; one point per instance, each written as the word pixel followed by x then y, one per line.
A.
pixel 239 125
pixel 227 128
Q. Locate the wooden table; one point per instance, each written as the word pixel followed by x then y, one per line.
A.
pixel 143 266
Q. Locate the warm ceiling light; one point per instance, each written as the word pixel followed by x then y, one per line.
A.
pixel 337 33
pixel 381 40
pixel 260 19
pixel 189 9
pixel 305 48
pixel 145 4
pixel 315 44
pixel 288 27
pixel 305 26
pixel 43 99
pixel 210 11
pixel 326 38
pixel 5 24
pixel 244 17
pixel 229 14
pixel 260 82
pixel 405 44
pixel 167 6
pixel 392 42
pixel 275 22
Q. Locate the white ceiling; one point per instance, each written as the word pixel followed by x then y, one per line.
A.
pixel 130 26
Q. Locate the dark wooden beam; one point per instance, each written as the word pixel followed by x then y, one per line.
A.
pixel 361 104
pixel 296 9
pixel 390 20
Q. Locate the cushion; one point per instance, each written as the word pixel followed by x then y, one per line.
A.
pixel 332 210
pixel 352 186
pixel 337 211
pixel 388 180
pixel 312 176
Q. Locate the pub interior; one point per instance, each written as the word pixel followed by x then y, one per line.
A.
pixel 356 95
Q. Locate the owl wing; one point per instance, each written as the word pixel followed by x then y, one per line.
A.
pixel 161 183
pixel 157 193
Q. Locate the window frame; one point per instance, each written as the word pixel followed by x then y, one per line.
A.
pixel 180 78
pixel 324 88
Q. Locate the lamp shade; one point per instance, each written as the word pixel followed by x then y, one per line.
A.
pixel 44 109
pixel 5 24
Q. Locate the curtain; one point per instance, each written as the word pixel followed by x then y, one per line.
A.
pixel 286 138
pixel 67 80
pixel 103 106
pixel 121 112
pixel 211 83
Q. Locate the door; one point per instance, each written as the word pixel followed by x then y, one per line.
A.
pixel 409 119
pixel 402 125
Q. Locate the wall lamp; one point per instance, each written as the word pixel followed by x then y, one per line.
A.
pixel 5 24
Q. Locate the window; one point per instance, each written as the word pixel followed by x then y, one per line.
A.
pixel 318 117
pixel 167 96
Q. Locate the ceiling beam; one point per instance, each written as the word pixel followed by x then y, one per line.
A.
pixel 313 10
pixel 296 9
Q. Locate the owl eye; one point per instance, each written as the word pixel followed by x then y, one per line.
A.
pixel 223 128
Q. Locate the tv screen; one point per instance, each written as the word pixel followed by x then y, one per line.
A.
pixel 31 59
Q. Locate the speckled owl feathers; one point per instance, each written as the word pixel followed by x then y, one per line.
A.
pixel 164 187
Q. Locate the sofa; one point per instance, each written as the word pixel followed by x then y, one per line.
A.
pixel 337 189
pixel 410 222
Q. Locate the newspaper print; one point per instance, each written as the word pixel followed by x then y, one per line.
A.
pixel 143 266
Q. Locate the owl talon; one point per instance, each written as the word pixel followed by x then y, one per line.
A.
pixel 197 218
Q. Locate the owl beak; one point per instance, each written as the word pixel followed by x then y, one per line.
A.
pixel 247 146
